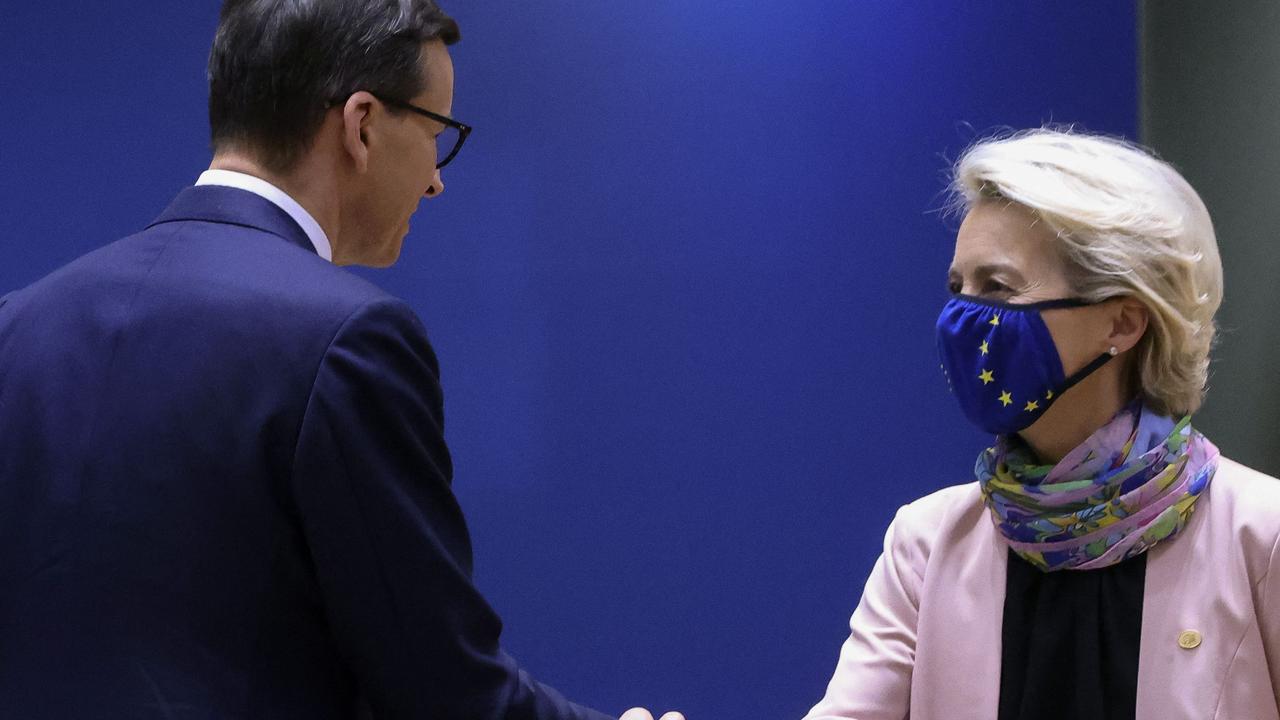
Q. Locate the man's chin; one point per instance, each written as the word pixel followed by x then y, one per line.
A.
pixel 383 256
pixel 387 257
pixel 391 252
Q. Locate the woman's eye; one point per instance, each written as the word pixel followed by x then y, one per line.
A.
pixel 990 286
pixel 995 287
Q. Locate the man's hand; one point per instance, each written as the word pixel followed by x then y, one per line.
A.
pixel 642 714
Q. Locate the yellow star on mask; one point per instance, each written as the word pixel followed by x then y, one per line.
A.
pixel 1048 395
pixel 995 320
pixel 1006 399
pixel 986 377
pixel 1032 406
pixel 984 347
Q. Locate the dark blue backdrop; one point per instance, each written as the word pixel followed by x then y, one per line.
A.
pixel 682 284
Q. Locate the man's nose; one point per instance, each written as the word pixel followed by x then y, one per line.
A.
pixel 436 187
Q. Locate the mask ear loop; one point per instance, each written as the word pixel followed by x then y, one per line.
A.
pixel 1087 370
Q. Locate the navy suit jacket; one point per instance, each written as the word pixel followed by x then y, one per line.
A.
pixel 225 492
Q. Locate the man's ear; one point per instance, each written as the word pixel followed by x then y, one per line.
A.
pixel 1129 320
pixel 357 117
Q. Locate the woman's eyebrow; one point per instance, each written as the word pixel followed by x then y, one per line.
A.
pixel 986 271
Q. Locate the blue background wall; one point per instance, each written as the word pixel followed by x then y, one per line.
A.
pixel 682 283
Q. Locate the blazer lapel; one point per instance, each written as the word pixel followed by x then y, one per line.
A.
pixel 1175 683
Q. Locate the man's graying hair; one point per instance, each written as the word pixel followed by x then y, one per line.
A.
pixel 277 65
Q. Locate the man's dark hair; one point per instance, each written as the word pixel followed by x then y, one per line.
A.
pixel 277 65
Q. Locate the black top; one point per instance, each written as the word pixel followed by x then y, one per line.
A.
pixel 1070 642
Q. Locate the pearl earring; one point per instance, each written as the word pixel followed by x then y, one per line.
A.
pixel 1114 351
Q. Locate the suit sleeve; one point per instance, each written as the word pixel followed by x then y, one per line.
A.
pixel 872 680
pixel 371 481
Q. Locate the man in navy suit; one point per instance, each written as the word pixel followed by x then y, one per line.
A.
pixel 224 488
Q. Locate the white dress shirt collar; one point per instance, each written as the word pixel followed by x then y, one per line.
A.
pixel 262 188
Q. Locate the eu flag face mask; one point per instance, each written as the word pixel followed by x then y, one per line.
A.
pixel 1001 361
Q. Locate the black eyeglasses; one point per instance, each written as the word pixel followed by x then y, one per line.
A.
pixel 454 134
pixel 452 137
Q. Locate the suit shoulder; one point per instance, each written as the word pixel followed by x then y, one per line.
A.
pixel 342 305
pixel 922 524
pixel 216 280
pixel 252 269
pixel 1251 498
pixel 1240 478
pixel 1238 516
pixel 262 258
pixel 941 508
pixel 380 316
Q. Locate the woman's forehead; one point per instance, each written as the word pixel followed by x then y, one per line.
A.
pixel 996 234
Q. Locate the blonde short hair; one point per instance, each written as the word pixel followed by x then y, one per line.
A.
pixel 1128 225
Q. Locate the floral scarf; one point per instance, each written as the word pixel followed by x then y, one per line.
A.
pixel 1132 484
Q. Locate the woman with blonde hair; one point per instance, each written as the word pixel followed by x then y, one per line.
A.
pixel 1107 562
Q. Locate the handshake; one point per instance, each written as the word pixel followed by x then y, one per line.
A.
pixel 642 714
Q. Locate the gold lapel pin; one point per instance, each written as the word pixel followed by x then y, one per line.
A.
pixel 1189 639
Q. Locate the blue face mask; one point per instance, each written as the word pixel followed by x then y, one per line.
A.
pixel 1001 361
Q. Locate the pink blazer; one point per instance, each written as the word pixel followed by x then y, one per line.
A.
pixel 925 640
